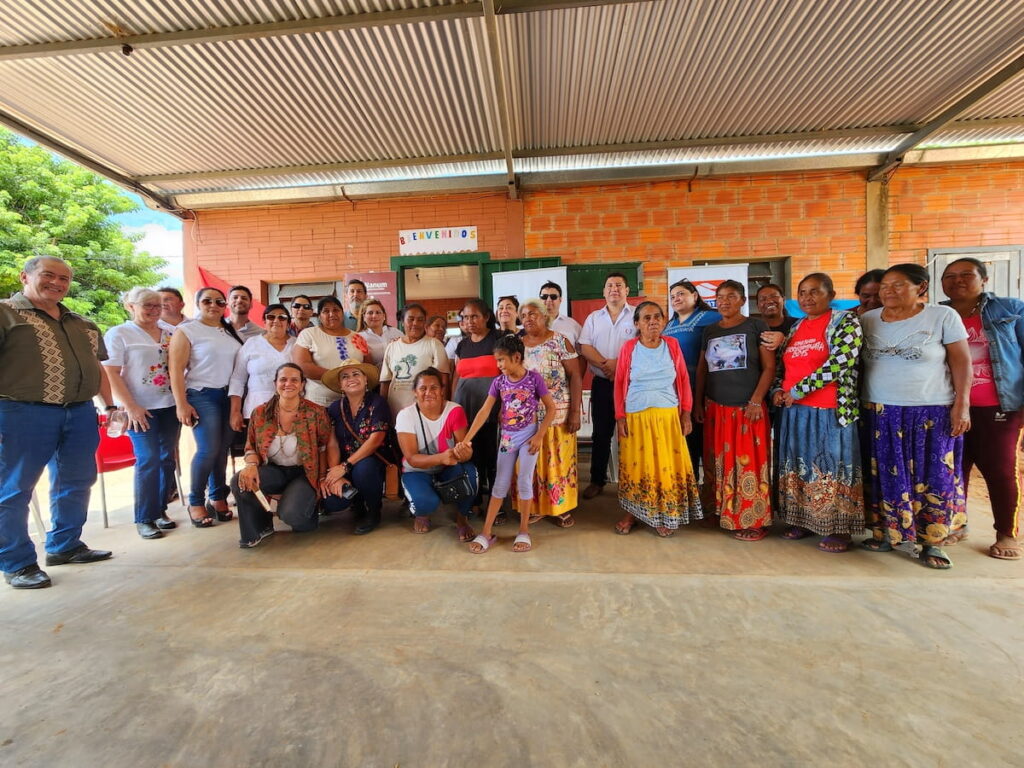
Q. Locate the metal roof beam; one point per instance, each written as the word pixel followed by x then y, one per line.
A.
pixel 499 82
pixel 155 200
pixel 947 116
pixel 473 9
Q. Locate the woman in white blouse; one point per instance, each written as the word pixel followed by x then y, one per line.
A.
pixel 256 364
pixel 373 327
pixel 141 384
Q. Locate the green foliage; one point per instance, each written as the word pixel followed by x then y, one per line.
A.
pixel 52 207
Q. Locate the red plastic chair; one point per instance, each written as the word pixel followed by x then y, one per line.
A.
pixel 113 453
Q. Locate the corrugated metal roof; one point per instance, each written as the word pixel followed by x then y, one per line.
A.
pixel 583 77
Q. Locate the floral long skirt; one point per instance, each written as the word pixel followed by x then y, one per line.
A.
pixel 555 484
pixel 917 485
pixel 819 484
pixel 656 480
pixel 737 466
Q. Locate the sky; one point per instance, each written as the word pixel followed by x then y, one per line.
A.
pixel 161 236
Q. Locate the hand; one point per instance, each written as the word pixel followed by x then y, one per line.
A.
pixel 249 478
pixel 572 421
pixel 698 411
pixel 772 340
pixel 138 418
pixel 335 474
pixel 621 429
pixel 960 419
pixel 535 444
pixel 608 368
pixel 463 451
pixel 686 423
pixel 448 458
pixel 237 422
pixel 753 411
pixel 187 415
pixel 787 399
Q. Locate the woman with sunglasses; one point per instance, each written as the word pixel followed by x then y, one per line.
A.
pixel 320 348
pixel 256 364
pixel 690 314
pixel 302 315
pixel 201 359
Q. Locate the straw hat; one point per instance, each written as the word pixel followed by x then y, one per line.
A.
pixel 332 379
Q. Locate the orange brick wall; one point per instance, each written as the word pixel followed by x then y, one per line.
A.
pixel 955 206
pixel 817 220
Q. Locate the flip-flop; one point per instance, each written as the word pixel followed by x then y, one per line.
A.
pixel 795 533
pixel 956 537
pixel 995 548
pixel 535 519
pixel 425 530
pixel 823 545
pixel 753 534
pixel 522 538
pixel 484 542
pixel 937 554
pixel 624 530
pixel 465 533
pixel 563 521
pixel 876 545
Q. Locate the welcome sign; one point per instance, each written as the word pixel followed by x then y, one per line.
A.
pixel 412 242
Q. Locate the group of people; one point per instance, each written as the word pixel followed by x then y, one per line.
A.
pixel 830 424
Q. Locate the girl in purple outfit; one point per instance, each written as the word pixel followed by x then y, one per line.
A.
pixel 521 392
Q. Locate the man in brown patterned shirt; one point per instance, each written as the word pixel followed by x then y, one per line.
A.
pixel 49 372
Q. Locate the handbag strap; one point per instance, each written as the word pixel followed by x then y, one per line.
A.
pixel 351 431
pixel 423 429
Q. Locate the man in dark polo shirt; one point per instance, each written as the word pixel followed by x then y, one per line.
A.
pixel 49 372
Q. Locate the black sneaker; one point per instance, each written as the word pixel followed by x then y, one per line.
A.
pixel 29 577
pixel 264 534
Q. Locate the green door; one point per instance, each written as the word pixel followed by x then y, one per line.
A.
pixel 586 281
pixel 401 263
pixel 487 269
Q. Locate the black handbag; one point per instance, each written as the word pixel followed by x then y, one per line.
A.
pixel 449 491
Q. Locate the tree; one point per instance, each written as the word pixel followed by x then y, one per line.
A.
pixel 52 207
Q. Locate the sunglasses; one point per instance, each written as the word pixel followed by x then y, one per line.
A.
pixel 278 317
pixel 301 306
pixel 218 302
pixel 550 297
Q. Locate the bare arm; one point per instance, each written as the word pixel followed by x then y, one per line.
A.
pixel 303 358
pixel 575 376
pixel 702 381
pixel 177 360
pixel 410 450
pixel 481 417
pixel 958 358
pixel 137 415
pixel 753 409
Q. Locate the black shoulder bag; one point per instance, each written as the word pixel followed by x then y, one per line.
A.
pixel 449 491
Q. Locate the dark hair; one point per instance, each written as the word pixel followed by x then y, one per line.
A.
pixel 360 324
pixel 282 307
pixel 355 281
pixel 691 288
pixel 175 291
pixel 489 321
pixel 822 278
pixel 413 305
pixel 427 373
pixel 639 308
pixel 303 296
pixel 242 288
pixel 766 286
pixel 982 269
pixel 510 345
pixel 915 273
pixel 556 286
pixel 736 285
pixel 328 300
pixel 270 409
pixel 228 327
pixel 610 275
pixel 515 303
pixel 871 276
pixel 435 318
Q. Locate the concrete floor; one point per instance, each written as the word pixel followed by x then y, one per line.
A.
pixel 391 649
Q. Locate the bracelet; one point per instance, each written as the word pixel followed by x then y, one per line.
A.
pixel 252 463
pixel 753 403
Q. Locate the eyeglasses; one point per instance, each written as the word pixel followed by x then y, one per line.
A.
pixel 218 302
pixel 550 297
pixel 278 317
pixel 301 306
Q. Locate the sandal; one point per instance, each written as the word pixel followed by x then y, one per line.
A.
pixel 876 545
pixel 203 522
pixel 795 533
pixel 1000 552
pixel 750 534
pixel 421 525
pixel 221 514
pixel 834 545
pixel 956 537
pixel 625 527
pixel 522 538
pixel 465 533
pixel 563 521
pixel 483 542
pixel 928 556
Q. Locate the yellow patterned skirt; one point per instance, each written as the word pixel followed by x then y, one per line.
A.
pixel 555 487
pixel 656 480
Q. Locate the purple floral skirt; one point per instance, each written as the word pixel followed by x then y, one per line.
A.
pixel 917 485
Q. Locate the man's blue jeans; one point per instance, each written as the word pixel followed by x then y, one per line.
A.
pixel 154 463
pixel 213 441
pixel 32 436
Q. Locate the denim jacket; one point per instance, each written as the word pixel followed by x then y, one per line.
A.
pixel 1003 321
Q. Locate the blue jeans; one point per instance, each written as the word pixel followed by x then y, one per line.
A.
pixel 154 463
pixel 423 499
pixel 213 440
pixel 367 476
pixel 33 436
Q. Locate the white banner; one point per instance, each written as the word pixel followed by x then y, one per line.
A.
pixel 412 242
pixel 526 283
pixel 707 279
